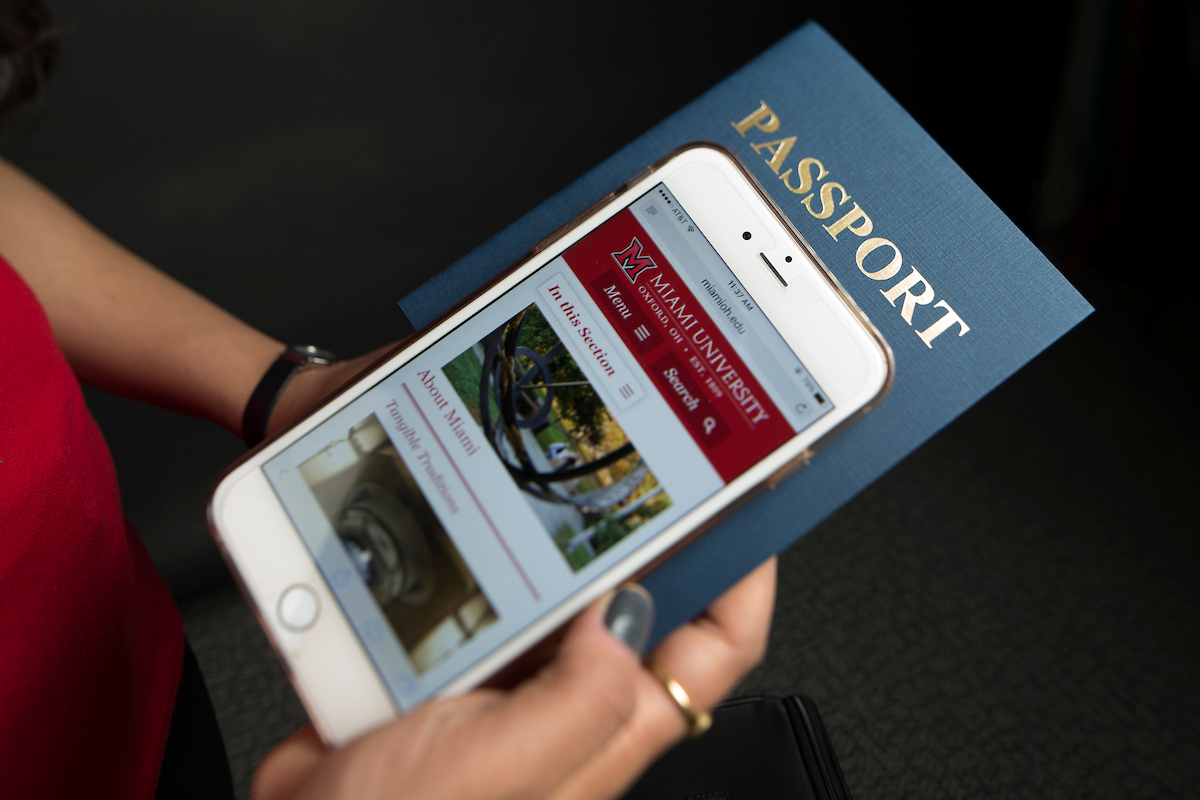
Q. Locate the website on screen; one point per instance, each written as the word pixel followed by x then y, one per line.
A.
pixel 554 433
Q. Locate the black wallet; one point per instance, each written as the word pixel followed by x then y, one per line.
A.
pixel 759 748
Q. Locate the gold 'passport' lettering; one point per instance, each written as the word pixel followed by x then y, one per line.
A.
pixel 809 172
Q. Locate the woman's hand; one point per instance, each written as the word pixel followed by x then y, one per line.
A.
pixel 586 726
pixel 485 744
pixel 708 656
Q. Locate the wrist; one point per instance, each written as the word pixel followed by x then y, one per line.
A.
pixel 264 400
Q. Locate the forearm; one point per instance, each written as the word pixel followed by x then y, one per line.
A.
pixel 125 326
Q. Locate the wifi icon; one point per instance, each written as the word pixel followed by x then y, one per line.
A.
pixel 690 229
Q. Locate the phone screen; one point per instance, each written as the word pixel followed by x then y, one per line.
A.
pixel 540 443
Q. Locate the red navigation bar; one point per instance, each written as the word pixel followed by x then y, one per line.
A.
pixel 691 363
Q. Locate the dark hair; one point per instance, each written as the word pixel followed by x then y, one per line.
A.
pixel 28 45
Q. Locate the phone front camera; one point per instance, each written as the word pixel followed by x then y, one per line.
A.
pixel 746 235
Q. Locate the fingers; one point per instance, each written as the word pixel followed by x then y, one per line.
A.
pixel 655 725
pixel 742 616
pixel 584 727
pixel 489 744
pixel 287 764
pixel 557 720
pixel 708 657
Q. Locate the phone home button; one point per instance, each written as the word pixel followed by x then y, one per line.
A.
pixel 298 607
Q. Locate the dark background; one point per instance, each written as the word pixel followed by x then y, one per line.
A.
pixel 1012 611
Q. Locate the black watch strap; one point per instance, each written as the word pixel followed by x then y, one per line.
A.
pixel 266 394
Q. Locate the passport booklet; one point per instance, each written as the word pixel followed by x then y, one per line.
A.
pixel 962 297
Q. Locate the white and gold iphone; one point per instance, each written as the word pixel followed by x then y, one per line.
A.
pixel 675 348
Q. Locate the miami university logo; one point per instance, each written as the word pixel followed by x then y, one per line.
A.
pixel 632 262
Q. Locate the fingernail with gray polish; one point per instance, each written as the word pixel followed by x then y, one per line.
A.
pixel 630 617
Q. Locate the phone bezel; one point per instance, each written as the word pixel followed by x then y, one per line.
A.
pixel 333 674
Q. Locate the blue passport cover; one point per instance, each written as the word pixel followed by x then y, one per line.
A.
pixel 961 295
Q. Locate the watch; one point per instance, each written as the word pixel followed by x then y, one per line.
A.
pixel 266 394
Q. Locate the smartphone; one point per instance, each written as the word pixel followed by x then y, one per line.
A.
pixel 675 348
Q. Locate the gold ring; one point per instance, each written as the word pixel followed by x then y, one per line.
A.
pixel 698 721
